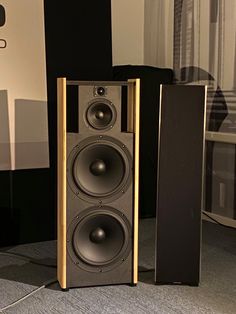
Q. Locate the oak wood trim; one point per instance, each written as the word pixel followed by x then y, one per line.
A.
pixel 61 181
pixel 134 98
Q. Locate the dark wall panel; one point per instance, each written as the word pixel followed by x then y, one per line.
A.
pixel 78 39
pixel 6 221
pixel 78 46
pixel 33 217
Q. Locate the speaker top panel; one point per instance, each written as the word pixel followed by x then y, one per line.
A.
pixel 99 108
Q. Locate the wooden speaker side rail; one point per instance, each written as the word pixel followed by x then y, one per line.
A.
pixel 61 181
pixel 134 126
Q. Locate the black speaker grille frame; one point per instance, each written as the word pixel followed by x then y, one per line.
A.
pixel 180 184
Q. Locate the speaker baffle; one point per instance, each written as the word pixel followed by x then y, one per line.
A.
pixel 100 239
pixel 101 114
pixel 99 168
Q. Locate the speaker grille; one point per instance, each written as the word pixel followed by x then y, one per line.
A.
pixel 99 168
pixel 101 114
pixel 100 239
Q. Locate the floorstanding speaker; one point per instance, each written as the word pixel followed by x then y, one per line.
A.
pixel 180 184
pixel 98 172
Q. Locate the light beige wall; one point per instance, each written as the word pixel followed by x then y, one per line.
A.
pixel 229 44
pixel 23 76
pixel 136 29
pixel 5 156
pixel 128 31
pixel 158 33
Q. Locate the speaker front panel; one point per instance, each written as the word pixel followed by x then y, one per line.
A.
pixel 98 187
pixel 100 215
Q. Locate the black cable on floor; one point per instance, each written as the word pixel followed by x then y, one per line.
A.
pixel 45 285
pixel 216 221
pixel 26 258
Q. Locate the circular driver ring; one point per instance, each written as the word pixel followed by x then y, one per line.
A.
pixel 90 187
pixel 105 256
pixel 101 114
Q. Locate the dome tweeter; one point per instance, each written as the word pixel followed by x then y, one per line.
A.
pixel 100 91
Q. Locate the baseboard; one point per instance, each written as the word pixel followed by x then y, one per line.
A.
pixel 224 220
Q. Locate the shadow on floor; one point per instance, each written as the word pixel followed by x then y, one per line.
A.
pixel 22 271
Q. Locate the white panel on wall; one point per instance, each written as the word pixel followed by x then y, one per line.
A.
pixel 128 31
pixel 158 33
pixel 23 76
pixel 31 138
pixel 5 156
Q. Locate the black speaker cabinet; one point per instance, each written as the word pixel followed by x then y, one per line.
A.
pixel 180 184
pixel 98 170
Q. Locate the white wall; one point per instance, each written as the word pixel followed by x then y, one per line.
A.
pixel 136 29
pixel 158 33
pixel 128 31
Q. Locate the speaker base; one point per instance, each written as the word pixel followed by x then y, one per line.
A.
pixel 65 289
pixel 132 284
pixel 191 284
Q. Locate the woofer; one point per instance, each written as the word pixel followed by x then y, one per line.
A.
pixel 101 114
pixel 99 239
pixel 99 168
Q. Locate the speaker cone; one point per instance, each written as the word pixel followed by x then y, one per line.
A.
pixel 101 114
pixel 100 168
pixel 100 238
